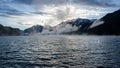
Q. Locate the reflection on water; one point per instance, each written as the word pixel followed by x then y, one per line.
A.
pixel 54 51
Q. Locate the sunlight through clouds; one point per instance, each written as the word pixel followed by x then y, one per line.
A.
pixel 52 12
pixel 57 14
pixel 54 15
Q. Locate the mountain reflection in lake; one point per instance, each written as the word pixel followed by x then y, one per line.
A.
pixel 59 51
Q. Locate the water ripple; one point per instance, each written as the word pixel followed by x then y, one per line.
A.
pixel 60 51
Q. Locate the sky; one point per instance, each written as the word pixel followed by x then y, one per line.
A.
pixel 26 13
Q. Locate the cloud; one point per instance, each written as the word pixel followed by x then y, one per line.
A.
pixel 24 24
pixel 6 1
pixel 17 1
pixel 100 3
pixel 7 11
pixel 49 2
pixel 12 7
pixel 52 12
pixel 24 1
pixel 39 12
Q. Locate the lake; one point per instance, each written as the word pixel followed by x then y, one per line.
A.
pixel 59 51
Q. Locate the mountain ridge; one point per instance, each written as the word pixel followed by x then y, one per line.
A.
pixel 107 25
pixel 110 25
pixel 9 31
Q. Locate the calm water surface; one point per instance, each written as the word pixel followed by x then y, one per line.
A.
pixel 59 51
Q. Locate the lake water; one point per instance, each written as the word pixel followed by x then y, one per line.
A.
pixel 59 51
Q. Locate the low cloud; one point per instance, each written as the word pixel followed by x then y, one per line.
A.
pixel 39 12
pixel 24 24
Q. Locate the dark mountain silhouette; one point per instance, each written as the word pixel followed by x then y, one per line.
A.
pixel 34 29
pixel 4 31
pixel 111 25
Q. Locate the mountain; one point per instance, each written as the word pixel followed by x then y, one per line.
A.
pixel 34 29
pixel 107 25
pixel 9 31
pixel 65 27
pixel 74 26
pixel 83 25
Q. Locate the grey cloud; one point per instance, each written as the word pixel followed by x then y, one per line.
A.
pixel 6 1
pixel 22 23
pixel 107 3
pixel 102 3
pixel 4 15
pixel 16 1
pixel 23 1
pixel 62 14
pixel 7 11
pixel 39 12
